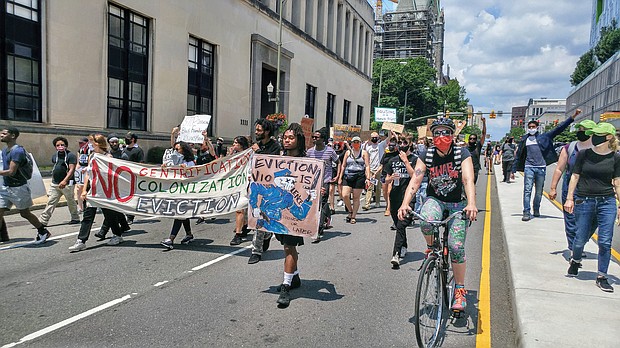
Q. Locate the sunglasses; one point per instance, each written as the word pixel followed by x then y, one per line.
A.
pixel 315 137
pixel 442 132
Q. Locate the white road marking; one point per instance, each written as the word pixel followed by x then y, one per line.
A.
pixel 223 257
pixel 160 283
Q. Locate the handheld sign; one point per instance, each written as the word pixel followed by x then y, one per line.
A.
pixel 192 127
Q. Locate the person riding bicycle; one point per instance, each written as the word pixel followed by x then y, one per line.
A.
pixel 450 189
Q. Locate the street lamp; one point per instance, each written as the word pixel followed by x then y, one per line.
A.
pixel 271 97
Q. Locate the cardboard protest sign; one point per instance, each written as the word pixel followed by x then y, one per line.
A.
pixel 192 127
pixel 216 188
pixel 306 124
pixel 460 124
pixel 421 131
pixel 365 135
pixel 429 122
pixel 396 128
pixel 344 132
pixel 284 195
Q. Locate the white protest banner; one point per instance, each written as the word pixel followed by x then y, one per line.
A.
pixel 216 188
pixel 192 127
pixel 284 195
pixel 385 115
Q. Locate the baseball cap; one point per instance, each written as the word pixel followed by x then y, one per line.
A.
pixel 587 124
pixel 131 135
pixel 220 139
pixel 83 140
pixel 356 138
pixel 602 128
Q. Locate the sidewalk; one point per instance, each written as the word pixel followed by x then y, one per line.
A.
pixel 550 309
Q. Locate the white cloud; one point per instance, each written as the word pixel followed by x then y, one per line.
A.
pixel 506 52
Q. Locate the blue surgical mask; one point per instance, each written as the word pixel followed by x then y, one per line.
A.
pixel 532 131
pixel 91 147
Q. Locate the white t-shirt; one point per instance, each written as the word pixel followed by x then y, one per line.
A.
pixel 375 153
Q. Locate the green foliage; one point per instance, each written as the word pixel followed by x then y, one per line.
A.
pixel 609 43
pixel 453 94
pixel 565 137
pixel 517 132
pixel 474 129
pixel 585 66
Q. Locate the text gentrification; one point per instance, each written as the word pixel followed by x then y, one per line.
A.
pixel 216 188
pixel 284 195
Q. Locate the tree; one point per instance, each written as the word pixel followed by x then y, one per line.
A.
pixel 517 132
pixel 585 66
pixel 473 129
pixel 565 137
pixel 609 43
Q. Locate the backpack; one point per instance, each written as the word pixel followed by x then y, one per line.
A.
pixel 55 160
pixel 430 152
pixel 26 169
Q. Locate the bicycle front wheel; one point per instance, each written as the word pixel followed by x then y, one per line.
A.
pixel 429 303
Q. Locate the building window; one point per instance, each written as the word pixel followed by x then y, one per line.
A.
pixel 201 63
pixel 128 46
pixel 360 113
pixel 20 59
pixel 310 100
pixel 329 113
pixel 346 111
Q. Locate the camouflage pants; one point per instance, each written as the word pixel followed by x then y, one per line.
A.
pixel 457 228
pixel 257 242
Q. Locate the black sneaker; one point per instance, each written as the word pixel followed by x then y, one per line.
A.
pixel 393 227
pixel 244 231
pixel 100 235
pixel 536 213
pixel 266 243
pixel 573 269
pixel 236 240
pixel 254 259
pixel 200 220
pixel 602 283
pixel 167 243
pixel 285 297
pixel 295 283
pixel 526 217
pixel 187 239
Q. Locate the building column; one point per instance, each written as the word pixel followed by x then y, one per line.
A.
pixel 362 48
pixel 321 21
pixel 288 11
pixel 340 29
pixel 354 40
pixel 299 14
pixel 348 35
pixel 310 26
pixel 332 23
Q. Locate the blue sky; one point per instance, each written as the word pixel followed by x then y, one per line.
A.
pixel 506 52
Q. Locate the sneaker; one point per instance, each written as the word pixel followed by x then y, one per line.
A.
pixel 115 240
pixel 236 240
pixel 78 246
pixel 573 269
pixel 366 207
pixel 317 239
pixel 377 205
pixel 340 203
pixel 285 297
pixel 200 221
pixel 130 220
pixel 254 259
pixel 536 213
pixel 100 235
pixel 427 252
pixel 74 222
pixel 42 237
pixel 602 283
pixel 459 302
pixel 167 243
pixel 187 239
pixel 395 262
pixel 403 252
pixel 332 211
pixel 526 217
pixel 393 227
pixel 295 283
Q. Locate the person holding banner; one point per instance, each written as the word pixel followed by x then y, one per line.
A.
pixel 100 146
pixel 187 153
pixel 240 144
pixel 355 173
pixel 264 130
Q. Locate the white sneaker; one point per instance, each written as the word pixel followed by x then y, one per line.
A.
pixel 79 245
pixel 395 261
pixel 377 205
pixel 115 240
pixel 42 237
pixel 340 203
pixel 403 252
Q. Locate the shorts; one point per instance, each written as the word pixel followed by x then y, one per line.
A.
pixel 382 179
pixel 288 240
pixel 19 196
pixel 356 182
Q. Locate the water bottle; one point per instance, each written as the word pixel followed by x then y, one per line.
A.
pixel 396 181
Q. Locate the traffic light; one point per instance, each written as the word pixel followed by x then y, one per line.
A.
pixel 447 114
pixel 492 114
pixel 555 123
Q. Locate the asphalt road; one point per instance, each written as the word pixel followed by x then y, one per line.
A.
pixel 205 294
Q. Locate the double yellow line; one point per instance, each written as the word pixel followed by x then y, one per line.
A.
pixel 483 337
pixel 558 205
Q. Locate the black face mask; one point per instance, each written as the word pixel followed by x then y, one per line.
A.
pixel 581 136
pixel 374 140
pixel 598 139
pixel 473 142
pixel 392 147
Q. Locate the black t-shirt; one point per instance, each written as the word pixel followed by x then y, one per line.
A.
pixel 475 154
pixel 133 154
pixel 445 182
pixel 271 148
pixel 61 161
pixel 396 165
pixel 596 173
pixel 220 150
pixel 384 161
pixel 204 158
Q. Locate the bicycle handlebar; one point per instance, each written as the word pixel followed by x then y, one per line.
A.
pixel 440 222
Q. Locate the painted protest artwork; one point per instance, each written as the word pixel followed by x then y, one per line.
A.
pixel 216 188
pixel 344 132
pixel 284 195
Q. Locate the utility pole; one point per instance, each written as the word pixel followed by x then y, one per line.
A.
pixel 405 109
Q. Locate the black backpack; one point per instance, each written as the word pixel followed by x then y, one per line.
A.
pixel 26 169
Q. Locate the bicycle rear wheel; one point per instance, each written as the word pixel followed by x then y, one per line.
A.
pixel 428 303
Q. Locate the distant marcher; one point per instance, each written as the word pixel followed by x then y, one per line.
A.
pixel 134 153
pixel 84 151
pixel 220 149
pixel 592 193
pixel 474 145
pixel 534 153
pixel 16 191
pixel 390 152
pixel 507 153
pixel 115 149
pixel 376 150
pixel 355 173
pixel 240 144
pixel 62 182
pixel 488 158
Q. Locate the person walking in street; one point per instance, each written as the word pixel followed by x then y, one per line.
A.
pixel 16 191
pixel 593 191
pixel 264 130
pixel 507 153
pixel 354 175
pixel 488 155
pixel 474 145
pixel 240 144
pixel 390 152
pixel 329 157
pixel 564 170
pixel 399 171
pixel 112 217
pixel 62 182
pixel 187 160
pixel 220 149
pixel 376 150
pixel 80 170
pixel 451 178
pixel 133 153
pixel 534 154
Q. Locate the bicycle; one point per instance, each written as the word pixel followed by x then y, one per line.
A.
pixel 435 287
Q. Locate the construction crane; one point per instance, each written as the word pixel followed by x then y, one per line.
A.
pixel 379 8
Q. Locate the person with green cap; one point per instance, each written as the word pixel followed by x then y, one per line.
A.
pixel 592 192
pixel 565 165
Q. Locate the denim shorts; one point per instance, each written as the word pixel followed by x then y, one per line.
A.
pixel 19 196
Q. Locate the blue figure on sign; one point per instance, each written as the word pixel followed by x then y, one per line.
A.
pixel 275 198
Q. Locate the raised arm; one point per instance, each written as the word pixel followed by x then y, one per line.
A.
pixel 557 173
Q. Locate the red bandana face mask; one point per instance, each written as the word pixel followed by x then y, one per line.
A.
pixel 443 143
